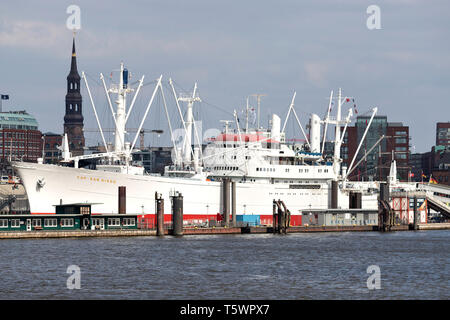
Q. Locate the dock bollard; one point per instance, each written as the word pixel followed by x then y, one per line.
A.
pixel 334 194
pixel 233 203
pixel 159 214
pixel 416 218
pixel 177 214
pixel 226 201
pixel 122 200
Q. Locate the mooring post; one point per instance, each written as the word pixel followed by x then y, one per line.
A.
pixel 233 203
pixel 159 214
pixel 351 200
pixel 177 214
pixel 384 191
pixel 226 201
pixel 334 194
pixel 122 200
pixel 275 217
pixel 386 215
pixel 281 218
pixel 286 217
pixel 416 218
pixel 358 200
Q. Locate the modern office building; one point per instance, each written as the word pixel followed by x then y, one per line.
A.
pixel 378 161
pixel 154 159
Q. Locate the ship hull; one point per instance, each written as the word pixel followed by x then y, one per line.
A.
pixel 50 185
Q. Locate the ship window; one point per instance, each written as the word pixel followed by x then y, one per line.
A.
pixel 4 223
pixel 15 223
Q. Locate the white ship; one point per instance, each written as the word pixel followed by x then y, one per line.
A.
pixel 260 161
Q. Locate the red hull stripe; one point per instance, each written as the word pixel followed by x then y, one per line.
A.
pixel 296 220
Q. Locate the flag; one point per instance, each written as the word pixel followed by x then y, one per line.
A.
pixel 423 176
pixel 331 106
pixel 354 106
pixel 432 180
pixel 411 175
pixel 252 115
pixel 5 96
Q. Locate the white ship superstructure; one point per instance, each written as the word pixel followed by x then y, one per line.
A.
pixel 260 161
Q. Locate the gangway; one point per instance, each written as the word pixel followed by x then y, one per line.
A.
pixel 438 205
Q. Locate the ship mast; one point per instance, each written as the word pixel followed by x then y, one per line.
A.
pixel 187 145
pixel 121 90
pixel 337 147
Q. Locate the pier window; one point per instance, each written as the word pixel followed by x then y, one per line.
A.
pixel 50 222
pixel 114 222
pixel 129 222
pixel 3 223
pixel 68 222
pixel 37 223
pixel 15 223
pixel 97 222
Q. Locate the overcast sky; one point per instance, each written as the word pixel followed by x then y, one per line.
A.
pixel 233 49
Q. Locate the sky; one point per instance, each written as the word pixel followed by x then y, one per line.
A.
pixel 233 49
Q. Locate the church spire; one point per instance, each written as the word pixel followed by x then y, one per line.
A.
pixel 73 119
pixel 73 66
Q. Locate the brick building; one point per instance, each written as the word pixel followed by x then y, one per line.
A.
pixel 443 134
pixel 52 143
pixel 377 163
pixel 20 138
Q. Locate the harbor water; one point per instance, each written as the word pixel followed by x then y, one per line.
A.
pixel 412 265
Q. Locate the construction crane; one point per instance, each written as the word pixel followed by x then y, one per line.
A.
pixel 141 133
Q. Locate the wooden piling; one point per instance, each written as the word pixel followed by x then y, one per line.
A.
pixel 159 214
pixel 226 201
pixel 122 200
pixel 416 218
pixel 334 194
pixel 177 214
pixel 233 203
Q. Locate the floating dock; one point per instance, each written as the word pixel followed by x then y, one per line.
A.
pixel 204 231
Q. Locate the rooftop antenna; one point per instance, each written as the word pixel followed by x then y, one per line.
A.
pixel 258 99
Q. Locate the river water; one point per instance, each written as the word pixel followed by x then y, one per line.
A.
pixel 413 265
